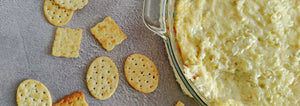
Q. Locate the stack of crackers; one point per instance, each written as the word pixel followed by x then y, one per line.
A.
pixel 60 12
pixel 103 76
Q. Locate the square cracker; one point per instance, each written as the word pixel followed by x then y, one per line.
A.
pixel 108 33
pixel 67 42
pixel 75 99
pixel 179 103
pixel 71 4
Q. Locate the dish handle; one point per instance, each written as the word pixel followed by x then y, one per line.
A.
pixel 154 16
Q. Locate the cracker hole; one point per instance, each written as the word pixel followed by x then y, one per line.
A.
pixel 142 72
pixel 114 77
pixel 153 77
pixel 102 88
pixel 132 59
pixel 102 60
pixel 150 86
pixel 147 81
pixel 94 88
pixel 131 79
pixel 133 71
pixel 101 94
pixel 135 64
pixel 139 80
pixel 110 66
pixel 90 77
pixel 144 65
pixel 42 100
pixel 96 72
pixel 33 99
pixel 141 86
pixel 108 71
pixel 102 66
pixel 94 66
pixel 102 77
pixel 96 83
pixel 44 92
pixel 108 82
pixel 142 59
pixel 46 104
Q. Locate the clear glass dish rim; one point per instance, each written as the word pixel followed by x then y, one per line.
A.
pixel 166 31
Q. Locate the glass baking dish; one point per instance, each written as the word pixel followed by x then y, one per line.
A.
pixel 158 16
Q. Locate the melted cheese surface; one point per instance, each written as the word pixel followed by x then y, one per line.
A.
pixel 243 52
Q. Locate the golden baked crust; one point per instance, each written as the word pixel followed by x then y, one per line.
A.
pixel 241 51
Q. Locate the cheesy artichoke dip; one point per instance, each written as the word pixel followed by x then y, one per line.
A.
pixel 244 52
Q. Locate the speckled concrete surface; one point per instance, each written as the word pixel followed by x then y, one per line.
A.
pixel 26 39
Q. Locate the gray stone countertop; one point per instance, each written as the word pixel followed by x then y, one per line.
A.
pixel 26 39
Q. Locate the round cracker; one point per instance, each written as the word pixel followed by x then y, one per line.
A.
pixel 71 4
pixel 102 78
pixel 33 93
pixel 56 15
pixel 141 73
